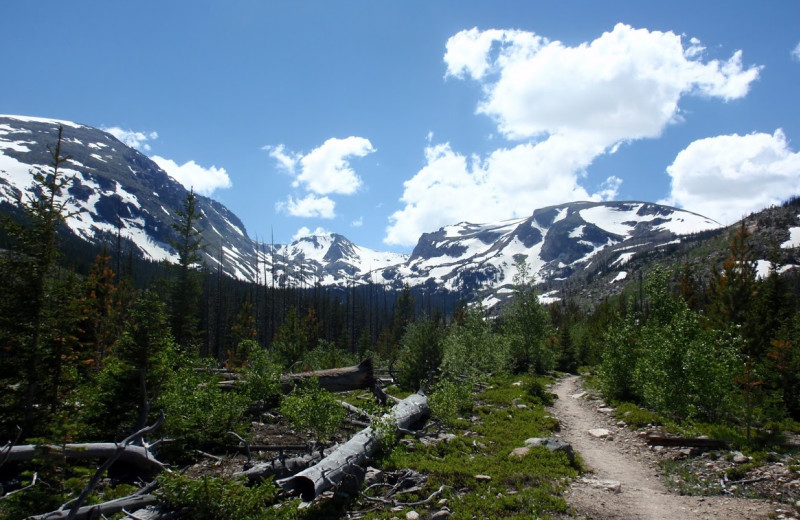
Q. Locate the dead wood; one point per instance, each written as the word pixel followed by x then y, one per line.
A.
pixel 345 462
pixel 137 456
pixel 333 380
pixel 281 467
pixel 129 504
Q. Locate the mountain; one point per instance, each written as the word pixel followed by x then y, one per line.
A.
pixel 117 193
pixel 557 243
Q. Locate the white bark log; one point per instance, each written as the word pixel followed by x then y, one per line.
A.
pixel 138 456
pixel 346 460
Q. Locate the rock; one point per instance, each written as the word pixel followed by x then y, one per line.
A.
pixel 522 406
pixel 553 445
pixel 444 513
pixel 519 452
pixel 483 478
pixel 578 395
pixel 518 383
pixel 609 485
pixel 412 515
pixel 436 439
pixel 605 409
pixel 739 457
pixel 599 433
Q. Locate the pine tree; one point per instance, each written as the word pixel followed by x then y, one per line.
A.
pixel 186 288
pixel 29 290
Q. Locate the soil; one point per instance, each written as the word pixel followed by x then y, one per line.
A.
pixel 624 480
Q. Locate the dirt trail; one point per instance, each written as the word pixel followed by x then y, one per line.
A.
pixel 625 483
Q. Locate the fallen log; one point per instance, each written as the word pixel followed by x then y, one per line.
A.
pixel 346 460
pixel 281 467
pixel 129 504
pixel 137 456
pixel 333 380
pixel 686 442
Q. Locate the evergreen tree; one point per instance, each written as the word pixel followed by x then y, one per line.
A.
pixel 32 364
pixel 187 288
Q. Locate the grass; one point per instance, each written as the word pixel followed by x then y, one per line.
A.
pixel 504 415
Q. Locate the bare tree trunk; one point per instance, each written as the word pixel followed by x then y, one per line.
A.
pixel 346 460
pixel 137 456
pixel 333 380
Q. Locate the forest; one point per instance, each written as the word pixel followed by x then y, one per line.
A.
pixel 113 349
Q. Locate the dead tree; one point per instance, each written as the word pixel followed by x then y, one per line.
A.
pixel 346 460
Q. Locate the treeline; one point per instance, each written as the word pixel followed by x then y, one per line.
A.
pixel 723 349
pixel 89 338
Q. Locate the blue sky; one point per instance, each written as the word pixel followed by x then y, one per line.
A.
pixel 383 120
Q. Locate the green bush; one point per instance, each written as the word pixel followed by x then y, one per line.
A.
pixel 212 498
pixel 472 351
pixel 421 353
pixel 449 400
pixel 309 407
pixel 198 413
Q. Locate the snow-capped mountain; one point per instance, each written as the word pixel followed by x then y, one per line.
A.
pixel 555 242
pixel 117 191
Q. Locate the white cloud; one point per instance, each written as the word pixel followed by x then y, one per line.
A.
pixel 508 183
pixel 796 52
pixel 357 222
pixel 310 206
pixel 193 176
pixel 305 232
pixel 729 176
pixel 566 106
pixel 624 85
pixel 287 161
pixel 326 169
pixel 132 138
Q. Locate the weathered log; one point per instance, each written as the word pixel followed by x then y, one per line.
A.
pixel 333 380
pixel 129 503
pixel 137 456
pixel 280 467
pixel 686 442
pixel 346 460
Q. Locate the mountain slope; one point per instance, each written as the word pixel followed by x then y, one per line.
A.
pixel 117 192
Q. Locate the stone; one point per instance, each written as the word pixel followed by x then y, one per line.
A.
pixel 444 513
pixel 519 452
pixel 605 409
pixel 483 478
pixel 599 433
pixel 739 457
pixel 614 486
pixel 553 445
pixel 412 515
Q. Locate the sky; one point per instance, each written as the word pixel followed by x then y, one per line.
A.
pixel 383 120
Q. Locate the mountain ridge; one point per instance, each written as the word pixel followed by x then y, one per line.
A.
pixel 118 192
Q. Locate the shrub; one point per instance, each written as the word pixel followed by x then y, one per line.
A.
pixel 421 353
pixel 309 407
pixel 449 399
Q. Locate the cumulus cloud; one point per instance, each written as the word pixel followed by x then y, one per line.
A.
pixel 193 176
pixel 508 183
pixel 565 106
pixel 309 206
pixel 305 232
pixel 729 176
pixel 326 169
pixel 624 85
pixel 134 139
